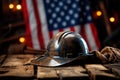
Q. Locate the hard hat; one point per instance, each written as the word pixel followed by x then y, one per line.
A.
pixel 63 48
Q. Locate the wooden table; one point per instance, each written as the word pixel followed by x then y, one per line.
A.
pixel 12 67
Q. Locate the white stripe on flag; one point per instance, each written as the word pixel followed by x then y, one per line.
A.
pixel 43 19
pixel 77 28
pixel 67 29
pixel 55 32
pixel 90 37
pixel 33 27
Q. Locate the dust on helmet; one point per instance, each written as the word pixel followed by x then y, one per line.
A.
pixel 63 48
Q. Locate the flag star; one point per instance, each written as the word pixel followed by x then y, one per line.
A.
pixel 67 17
pixel 89 18
pixel 60 4
pixel 76 15
pixel 70 11
pixel 65 7
pixel 62 13
pixel 72 21
pixel 87 7
pixel 79 9
pixel 49 10
pixel 77 0
pixel 57 9
pixel 52 5
pixel 50 21
pixel 74 5
pixel 55 0
pixel 54 15
pixel 59 19
pixel 64 23
pixel 68 1
pixel 55 25
pixel 47 1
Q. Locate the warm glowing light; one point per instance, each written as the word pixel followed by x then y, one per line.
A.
pixel 98 13
pixel 18 7
pixel 22 39
pixel 112 19
pixel 11 6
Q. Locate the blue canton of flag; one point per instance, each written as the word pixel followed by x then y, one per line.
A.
pixel 66 13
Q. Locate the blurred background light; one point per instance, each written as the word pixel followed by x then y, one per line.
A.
pixel 11 6
pixel 18 7
pixel 22 39
pixel 112 19
pixel 98 13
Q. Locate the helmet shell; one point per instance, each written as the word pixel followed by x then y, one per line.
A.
pixel 63 48
pixel 67 45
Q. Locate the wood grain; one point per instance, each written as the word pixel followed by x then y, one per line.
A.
pixel 99 72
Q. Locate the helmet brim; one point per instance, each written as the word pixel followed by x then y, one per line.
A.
pixel 54 61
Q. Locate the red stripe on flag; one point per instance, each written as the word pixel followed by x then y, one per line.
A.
pixel 94 32
pixel 39 31
pixel 60 30
pixel 26 16
pixel 72 28
pixel 82 32
pixel 50 34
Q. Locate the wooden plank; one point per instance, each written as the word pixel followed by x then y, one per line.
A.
pixel 17 60
pixel 13 67
pixel 17 72
pixel 46 73
pixel 2 59
pixel 114 68
pixel 99 72
pixel 72 72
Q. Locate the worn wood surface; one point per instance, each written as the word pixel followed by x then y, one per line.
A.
pixel 12 67
pixel 2 58
pixel 99 72
pixel 17 60
pixel 71 72
pixel 114 68
pixel 18 71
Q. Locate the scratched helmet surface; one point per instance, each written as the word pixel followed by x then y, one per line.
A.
pixel 63 48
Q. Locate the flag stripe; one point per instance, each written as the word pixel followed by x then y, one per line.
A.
pixel 39 32
pixel 77 28
pixel 50 34
pixel 26 16
pixel 83 33
pixel 90 36
pixel 55 32
pixel 33 27
pixel 30 21
pixel 67 29
pixel 72 29
pixel 45 31
pixel 94 33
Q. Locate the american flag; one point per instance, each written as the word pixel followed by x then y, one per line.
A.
pixel 45 18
